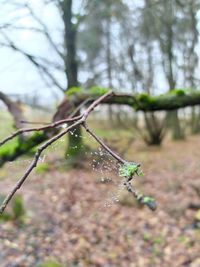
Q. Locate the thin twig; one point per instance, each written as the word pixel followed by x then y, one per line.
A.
pixel 96 103
pixel 112 153
pixel 82 104
pixel 36 129
pixel 130 189
pixel 35 122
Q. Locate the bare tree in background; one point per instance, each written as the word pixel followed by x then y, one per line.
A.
pixel 67 54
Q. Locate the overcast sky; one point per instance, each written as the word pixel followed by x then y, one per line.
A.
pixel 17 75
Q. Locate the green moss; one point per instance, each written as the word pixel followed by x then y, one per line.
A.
pixel 17 211
pixel 42 168
pixel 9 148
pixel 148 201
pixel 72 91
pixel 158 240
pixel 129 169
pixel 144 97
pixel 49 263
pixel 32 141
pixel 5 217
pixel 145 101
pixel 92 91
pixel 146 236
pixel 18 208
pixel 83 93
pixel 98 91
pixel 179 92
pixel 15 148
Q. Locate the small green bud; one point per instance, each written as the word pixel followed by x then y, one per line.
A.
pixel 129 169
pixel 149 202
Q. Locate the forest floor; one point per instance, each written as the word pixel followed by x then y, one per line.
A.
pixel 83 217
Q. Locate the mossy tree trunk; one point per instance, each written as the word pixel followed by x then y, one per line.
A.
pixel 75 149
pixel 75 142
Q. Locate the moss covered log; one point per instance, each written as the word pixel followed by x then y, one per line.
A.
pixel 173 100
pixel 169 101
pixel 15 148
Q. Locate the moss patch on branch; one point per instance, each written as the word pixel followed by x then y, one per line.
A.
pixel 172 100
pixel 15 148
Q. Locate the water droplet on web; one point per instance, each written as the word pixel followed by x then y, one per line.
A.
pixel 64 126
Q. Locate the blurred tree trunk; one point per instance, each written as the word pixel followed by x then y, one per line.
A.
pixel 75 141
pixel 155 129
pixel 108 55
pixel 168 60
pixel 192 64
pixel 15 110
pixel 195 120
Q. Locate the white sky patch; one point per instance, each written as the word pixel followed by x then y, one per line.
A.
pixel 17 74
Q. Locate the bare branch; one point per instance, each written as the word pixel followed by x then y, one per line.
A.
pixel 82 104
pixel 45 31
pixel 26 130
pixel 35 122
pixel 33 60
pixel 80 121
pixel 113 154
